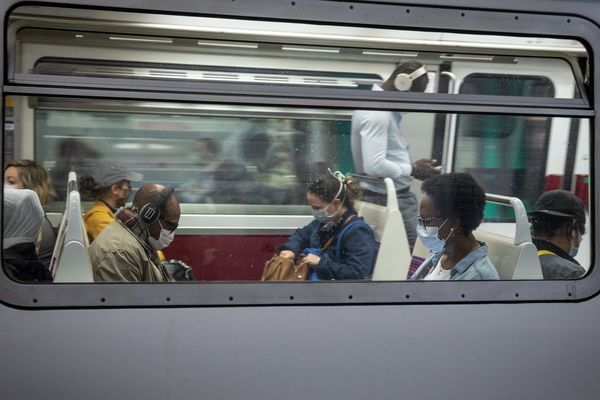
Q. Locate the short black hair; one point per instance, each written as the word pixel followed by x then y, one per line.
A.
pixel 457 195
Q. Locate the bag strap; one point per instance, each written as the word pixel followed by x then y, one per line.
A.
pixel 344 227
pixel 338 250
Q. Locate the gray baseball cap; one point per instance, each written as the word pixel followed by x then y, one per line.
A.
pixel 108 173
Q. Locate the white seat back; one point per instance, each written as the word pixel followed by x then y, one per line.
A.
pixel 70 260
pixel 512 261
pixel 393 257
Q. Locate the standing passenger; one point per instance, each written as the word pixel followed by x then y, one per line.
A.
pixel 27 174
pixel 125 251
pixel 348 257
pixel 110 185
pixel 450 211
pixel 380 150
pixel 557 225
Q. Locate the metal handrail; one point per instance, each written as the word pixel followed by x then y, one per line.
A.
pixel 522 231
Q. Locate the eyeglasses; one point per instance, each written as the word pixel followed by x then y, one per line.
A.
pixel 169 226
pixel 424 221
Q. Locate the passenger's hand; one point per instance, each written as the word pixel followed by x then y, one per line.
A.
pixel 312 259
pixel 287 254
pixel 424 168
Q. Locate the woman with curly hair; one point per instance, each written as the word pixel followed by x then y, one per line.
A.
pixel 450 211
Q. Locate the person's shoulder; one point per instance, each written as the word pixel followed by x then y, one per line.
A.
pixel 359 225
pixel 484 268
pixel 114 232
pixel 98 209
pixel 556 267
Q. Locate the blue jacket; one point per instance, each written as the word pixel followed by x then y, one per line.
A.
pixel 351 259
pixel 474 266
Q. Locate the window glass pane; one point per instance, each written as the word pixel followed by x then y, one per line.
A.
pixel 241 173
pixel 286 54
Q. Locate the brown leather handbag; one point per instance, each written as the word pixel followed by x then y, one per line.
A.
pixel 283 269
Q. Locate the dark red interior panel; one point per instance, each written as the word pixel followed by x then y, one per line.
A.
pixel 221 258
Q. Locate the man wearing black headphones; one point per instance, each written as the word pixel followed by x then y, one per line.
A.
pixel 126 250
pixel 380 150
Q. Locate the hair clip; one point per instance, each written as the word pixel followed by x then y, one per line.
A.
pixel 338 175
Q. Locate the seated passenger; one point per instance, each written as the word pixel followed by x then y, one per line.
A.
pixel 349 241
pixel 448 214
pixel 110 186
pixel 27 174
pixel 126 249
pixel 205 162
pixel 557 225
pixel 23 216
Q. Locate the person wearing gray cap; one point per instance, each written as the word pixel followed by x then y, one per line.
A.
pixel 110 186
pixel 557 225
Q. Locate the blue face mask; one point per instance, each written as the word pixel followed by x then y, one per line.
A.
pixel 429 237
pixel 573 251
pixel 575 248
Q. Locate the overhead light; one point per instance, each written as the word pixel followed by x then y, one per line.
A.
pixel 310 49
pixel 465 57
pixel 78 36
pixel 388 53
pixel 137 39
pixel 228 44
pixel 128 146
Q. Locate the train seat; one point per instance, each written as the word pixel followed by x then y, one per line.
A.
pixel 512 261
pixel 393 256
pixel 514 257
pixel 70 260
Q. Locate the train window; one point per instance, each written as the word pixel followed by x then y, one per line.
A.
pixel 240 112
pixel 241 173
pixel 286 55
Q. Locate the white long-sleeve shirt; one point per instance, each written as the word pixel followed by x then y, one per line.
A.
pixel 379 149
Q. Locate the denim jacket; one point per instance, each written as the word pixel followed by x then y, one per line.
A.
pixel 474 266
pixel 356 250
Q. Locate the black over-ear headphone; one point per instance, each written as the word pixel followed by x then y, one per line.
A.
pixel 403 81
pixel 150 212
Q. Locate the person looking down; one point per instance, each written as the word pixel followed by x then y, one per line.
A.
pixel 126 250
pixel 557 225
pixel 350 240
pixel 379 148
pixel 110 186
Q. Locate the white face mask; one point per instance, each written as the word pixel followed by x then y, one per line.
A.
pixel 322 216
pixel 429 237
pixel 165 238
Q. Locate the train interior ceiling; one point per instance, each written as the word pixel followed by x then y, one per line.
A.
pixel 241 169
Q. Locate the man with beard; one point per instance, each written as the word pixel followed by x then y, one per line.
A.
pixel 110 186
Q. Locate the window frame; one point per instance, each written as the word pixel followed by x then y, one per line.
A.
pixel 384 15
